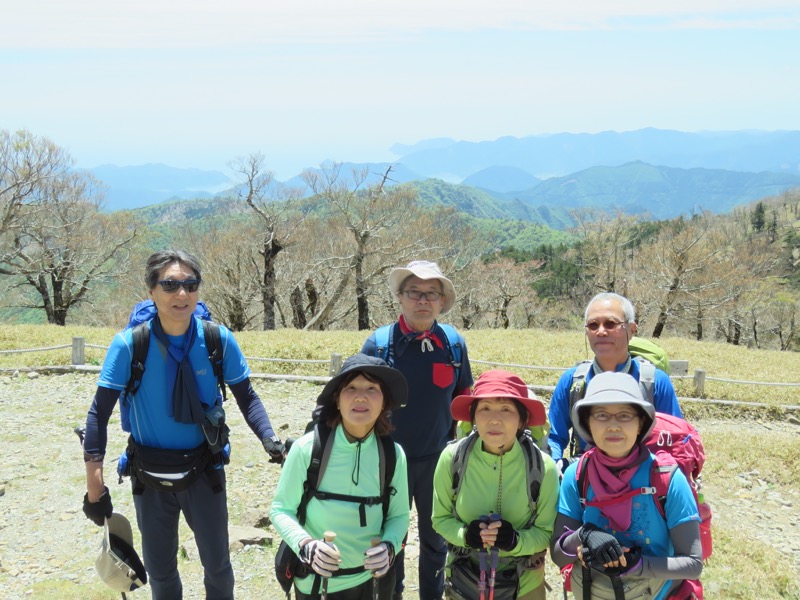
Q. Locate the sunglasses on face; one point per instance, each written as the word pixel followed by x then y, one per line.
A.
pixel 170 286
pixel 608 325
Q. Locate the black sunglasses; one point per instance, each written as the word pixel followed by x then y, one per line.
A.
pixel 171 286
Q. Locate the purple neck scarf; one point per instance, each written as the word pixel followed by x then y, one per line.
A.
pixel 610 479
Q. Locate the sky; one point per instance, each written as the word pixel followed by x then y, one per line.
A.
pixel 200 84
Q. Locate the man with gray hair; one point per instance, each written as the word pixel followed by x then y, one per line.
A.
pixel 610 323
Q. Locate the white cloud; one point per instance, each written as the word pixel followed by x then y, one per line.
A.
pixel 207 23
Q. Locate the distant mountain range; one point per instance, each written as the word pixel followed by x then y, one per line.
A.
pixel 659 173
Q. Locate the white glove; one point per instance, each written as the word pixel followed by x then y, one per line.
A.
pixel 378 559
pixel 323 557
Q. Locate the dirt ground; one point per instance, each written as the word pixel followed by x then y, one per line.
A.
pixel 47 547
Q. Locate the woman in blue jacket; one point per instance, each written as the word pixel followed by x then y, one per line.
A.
pixel 611 536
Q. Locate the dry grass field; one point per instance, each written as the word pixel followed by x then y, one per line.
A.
pixel 47 548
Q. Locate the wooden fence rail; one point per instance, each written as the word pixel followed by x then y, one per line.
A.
pixel 679 368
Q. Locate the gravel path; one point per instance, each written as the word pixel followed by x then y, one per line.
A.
pixel 47 547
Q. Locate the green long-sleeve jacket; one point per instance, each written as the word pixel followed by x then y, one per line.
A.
pixel 344 469
pixel 496 484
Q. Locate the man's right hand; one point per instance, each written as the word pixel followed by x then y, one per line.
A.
pixel 97 512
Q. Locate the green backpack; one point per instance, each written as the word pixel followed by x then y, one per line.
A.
pixel 650 351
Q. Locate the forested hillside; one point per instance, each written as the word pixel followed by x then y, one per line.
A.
pixel 320 261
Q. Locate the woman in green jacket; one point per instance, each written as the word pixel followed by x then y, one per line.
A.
pixel 488 519
pixel 357 564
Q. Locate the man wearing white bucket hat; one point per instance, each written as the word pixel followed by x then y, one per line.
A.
pixel 433 358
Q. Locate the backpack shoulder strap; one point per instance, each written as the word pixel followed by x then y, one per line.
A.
pixel 215 352
pixel 320 454
pixel 581 474
pixel 387 461
pixel 383 343
pixel 577 390
pixel 459 464
pixel 534 472
pixel 141 344
pixel 455 346
pixel 660 477
pixel 647 378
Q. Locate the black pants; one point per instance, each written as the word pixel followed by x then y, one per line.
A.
pixel 359 592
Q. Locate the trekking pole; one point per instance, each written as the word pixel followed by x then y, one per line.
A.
pixel 329 537
pixel 80 431
pixel 482 561
pixel 375 592
pixel 493 563
pixel 482 580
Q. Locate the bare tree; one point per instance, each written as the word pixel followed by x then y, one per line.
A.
pixel 28 164
pixel 231 262
pixel 274 207
pixel 63 245
pixel 605 239
pixel 372 216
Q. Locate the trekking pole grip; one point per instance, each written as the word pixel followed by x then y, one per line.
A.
pixel 329 537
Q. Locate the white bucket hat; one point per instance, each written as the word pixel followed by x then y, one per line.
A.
pixel 118 565
pixel 424 269
pixel 613 388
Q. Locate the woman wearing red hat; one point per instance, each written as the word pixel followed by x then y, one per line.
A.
pixel 495 494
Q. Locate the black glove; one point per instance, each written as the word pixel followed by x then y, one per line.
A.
pixel 473 534
pixel 275 448
pixel 599 547
pixel 97 512
pixel 507 536
pixel 633 561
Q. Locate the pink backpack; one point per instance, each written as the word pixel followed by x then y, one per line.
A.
pixel 673 439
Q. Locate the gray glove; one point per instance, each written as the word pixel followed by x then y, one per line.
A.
pixel 322 557
pixel 379 559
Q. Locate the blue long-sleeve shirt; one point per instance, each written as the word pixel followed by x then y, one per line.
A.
pixel 664 399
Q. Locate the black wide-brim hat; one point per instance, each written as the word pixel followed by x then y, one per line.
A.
pixel 392 379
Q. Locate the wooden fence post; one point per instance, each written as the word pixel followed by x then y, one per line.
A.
pixel 699 382
pixel 78 351
pixel 336 364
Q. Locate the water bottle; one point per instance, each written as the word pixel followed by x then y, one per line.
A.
pixel 122 466
pixel 704 509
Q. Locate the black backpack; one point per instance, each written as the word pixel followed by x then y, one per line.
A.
pixel 287 564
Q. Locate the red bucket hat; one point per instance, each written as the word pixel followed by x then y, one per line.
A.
pixel 500 384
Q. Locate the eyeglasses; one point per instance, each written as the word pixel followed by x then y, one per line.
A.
pixel 170 286
pixel 417 295
pixel 621 417
pixel 608 325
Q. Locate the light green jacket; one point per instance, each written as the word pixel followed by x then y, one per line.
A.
pixel 344 467
pixel 495 484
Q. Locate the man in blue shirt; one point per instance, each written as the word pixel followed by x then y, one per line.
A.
pixel 168 419
pixel 610 323
pixel 419 348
